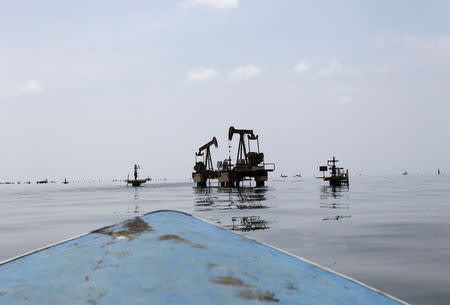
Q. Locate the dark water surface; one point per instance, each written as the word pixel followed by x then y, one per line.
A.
pixel 392 233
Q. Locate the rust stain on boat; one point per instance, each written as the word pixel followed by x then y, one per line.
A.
pixel 99 263
pixel 132 229
pixel 211 265
pixel 291 286
pixel 249 293
pixel 230 281
pixel 121 254
pixel 252 294
pixel 178 239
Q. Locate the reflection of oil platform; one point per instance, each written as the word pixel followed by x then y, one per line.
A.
pixel 136 182
pixel 249 223
pixel 338 176
pixel 249 164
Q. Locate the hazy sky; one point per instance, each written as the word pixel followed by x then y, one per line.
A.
pixel 88 88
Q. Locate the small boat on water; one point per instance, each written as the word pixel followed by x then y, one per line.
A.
pixel 42 181
pixel 283 176
pixel 169 257
pixel 405 173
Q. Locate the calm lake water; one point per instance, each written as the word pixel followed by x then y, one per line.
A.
pixel 392 233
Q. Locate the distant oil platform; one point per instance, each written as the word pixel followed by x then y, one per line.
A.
pixel 249 164
pixel 136 182
pixel 338 176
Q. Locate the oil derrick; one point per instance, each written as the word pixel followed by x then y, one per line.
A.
pixel 136 167
pixel 136 182
pixel 204 169
pixel 338 176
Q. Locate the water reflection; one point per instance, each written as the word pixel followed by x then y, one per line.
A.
pixel 240 201
pixel 249 223
pixel 220 198
pixel 211 198
pixel 338 217
pixel 339 195
pixel 330 192
pixel 335 206
pixel 133 208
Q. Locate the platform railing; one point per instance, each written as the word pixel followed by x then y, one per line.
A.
pixel 269 166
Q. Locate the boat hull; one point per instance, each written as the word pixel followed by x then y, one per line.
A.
pixel 169 257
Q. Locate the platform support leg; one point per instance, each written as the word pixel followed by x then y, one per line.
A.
pixel 201 184
pixel 230 184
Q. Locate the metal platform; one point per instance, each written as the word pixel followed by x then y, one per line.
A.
pixel 249 165
pixel 136 182
pixel 169 257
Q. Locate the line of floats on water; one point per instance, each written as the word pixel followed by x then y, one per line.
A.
pixel 65 181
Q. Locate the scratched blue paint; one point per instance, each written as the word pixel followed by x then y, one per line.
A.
pixel 181 260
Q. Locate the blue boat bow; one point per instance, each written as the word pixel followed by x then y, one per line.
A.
pixel 169 257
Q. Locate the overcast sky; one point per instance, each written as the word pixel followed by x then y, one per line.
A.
pixel 88 88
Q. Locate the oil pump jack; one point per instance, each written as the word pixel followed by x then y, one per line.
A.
pixel 244 159
pixel 204 169
pixel 248 164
